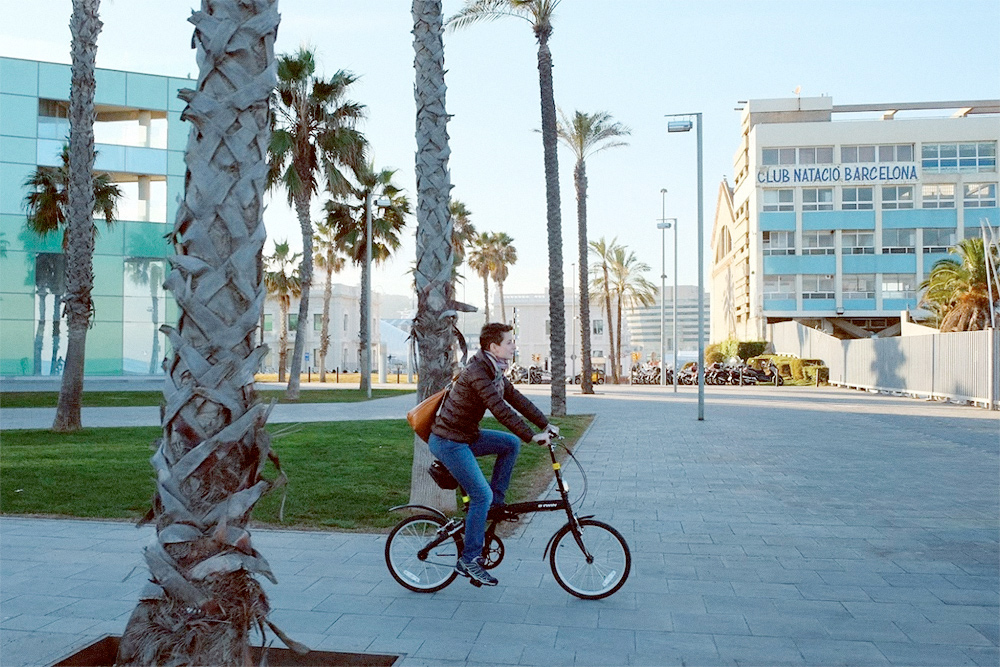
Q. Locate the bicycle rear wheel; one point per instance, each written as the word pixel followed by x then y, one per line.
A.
pixel 603 573
pixel 425 574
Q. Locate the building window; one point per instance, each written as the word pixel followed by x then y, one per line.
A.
pixel 779 243
pixel 816 155
pixel 898 286
pixel 317 322
pixel 817 199
pixel 952 158
pixel 897 196
pixel 857 199
pixel 345 321
pixel 817 286
pixel 857 242
pixel 779 200
pixel 598 327
pixel 857 153
pixel 979 195
pixel 597 353
pixel 818 243
pixel 938 240
pixel 899 241
pixel 937 195
pixel 548 327
pixel 293 321
pixel 725 245
pixel 859 285
pixel 773 156
pixel 268 322
pixel 779 287
pixel 895 153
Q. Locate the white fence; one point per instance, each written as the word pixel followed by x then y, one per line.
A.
pixel 962 366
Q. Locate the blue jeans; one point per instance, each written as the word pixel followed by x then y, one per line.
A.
pixel 460 458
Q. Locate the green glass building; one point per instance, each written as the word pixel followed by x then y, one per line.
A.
pixel 140 141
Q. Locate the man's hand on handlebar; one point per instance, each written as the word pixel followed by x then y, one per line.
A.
pixel 544 438
pixel 553 429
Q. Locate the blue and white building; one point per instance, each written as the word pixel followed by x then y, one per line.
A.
pixel 838 212
pixel 140 141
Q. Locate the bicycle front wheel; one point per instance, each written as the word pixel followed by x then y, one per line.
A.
pixel 412 563
pixel 599 575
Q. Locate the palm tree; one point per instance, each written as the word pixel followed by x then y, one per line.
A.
pixel 348 220
pixel 282 282
pixel 630 288
pixel 481 261
pixel 313 137
pixel 504 255
pixel 330 259
pixel 539 13
pixel 586 134
pixel 149 271
pixel 85 25
pixel 210 459
pixel 463 232
pixel 957 290
pixel 605 254
pixel 46 204
pixel 434 323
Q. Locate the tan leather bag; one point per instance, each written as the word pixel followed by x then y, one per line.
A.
pixel 421 416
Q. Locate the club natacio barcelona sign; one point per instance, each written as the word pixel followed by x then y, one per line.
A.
pixel 882 173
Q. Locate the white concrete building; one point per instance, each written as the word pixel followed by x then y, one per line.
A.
pixel 644 323
pixel 838 212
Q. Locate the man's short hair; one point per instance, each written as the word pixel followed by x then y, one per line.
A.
pixel 492 333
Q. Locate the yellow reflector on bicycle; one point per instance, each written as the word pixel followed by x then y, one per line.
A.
pixel 556 466
pixel 465 499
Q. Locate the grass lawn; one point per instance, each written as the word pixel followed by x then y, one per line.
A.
pixel 342 475
pixel 118 399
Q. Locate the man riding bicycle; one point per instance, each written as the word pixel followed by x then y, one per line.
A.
pixel 456 439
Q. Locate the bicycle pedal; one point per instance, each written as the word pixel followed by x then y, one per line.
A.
pixel 476 583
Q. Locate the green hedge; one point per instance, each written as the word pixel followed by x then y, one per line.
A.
pixel 744 349
pixel 811 373
pixel 714 354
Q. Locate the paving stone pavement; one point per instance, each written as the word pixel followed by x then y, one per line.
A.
pixel 794 526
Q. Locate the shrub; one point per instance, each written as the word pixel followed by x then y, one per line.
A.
pixel 713 353
pixel 811 373
pixel 750 348
pixel 796 366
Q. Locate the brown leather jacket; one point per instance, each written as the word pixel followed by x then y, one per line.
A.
pixel 479 387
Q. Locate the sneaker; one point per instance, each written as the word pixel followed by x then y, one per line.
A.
pixel 473 569
pixel 501 513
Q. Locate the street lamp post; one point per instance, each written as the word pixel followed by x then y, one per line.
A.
pixel 685 126
pixel 664 224
pixel 366 298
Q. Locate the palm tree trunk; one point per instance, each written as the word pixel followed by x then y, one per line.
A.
pixel 611 331
pixel 557 299
pixel 283 340
pixel 154 279
pixel 40 332
pixel 486 298
pixel 586 370
pixel 305 279
pixel 54 368
pixel 324 335
pixel 503 310
pixel 84 28
pixel 209 460
pixel 432 327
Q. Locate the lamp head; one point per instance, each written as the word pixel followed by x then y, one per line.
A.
pixel 679 125
pixel 383 202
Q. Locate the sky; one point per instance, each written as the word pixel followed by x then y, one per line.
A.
pixel 635 59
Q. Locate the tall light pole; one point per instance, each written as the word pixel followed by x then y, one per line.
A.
pixel 366 296
pixel 685 126
pixel 664 224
